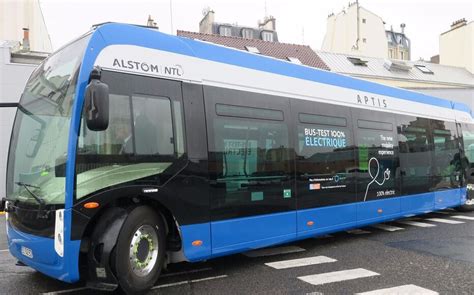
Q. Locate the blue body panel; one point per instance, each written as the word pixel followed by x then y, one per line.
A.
pixel 45 259
pixel 234 235
pixel 243 234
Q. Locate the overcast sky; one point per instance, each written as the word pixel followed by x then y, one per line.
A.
pixel 298 21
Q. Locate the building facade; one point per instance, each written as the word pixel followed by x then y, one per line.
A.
pixel 360 32
pixel 19 14
pixel 456 45
pixel 265 31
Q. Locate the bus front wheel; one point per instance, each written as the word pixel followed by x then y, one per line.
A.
pixel 140 250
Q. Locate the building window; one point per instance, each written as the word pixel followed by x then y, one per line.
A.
pixel 424 69
pixel 363 20
pixel 390 53
pixel 247 33
pixel 364 40
pixel 267 36
pixel 294 60
pixel 402 55
pixel 225 31
pixel 252 49
pixel 357 61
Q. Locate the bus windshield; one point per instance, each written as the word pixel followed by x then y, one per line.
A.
pixel 39 140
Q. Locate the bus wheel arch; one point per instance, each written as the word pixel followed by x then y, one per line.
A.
pixel 102 233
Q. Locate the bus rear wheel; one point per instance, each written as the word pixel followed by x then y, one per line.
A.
pixel 140 250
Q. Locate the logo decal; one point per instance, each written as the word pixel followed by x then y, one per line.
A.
pixel 139 66
pixel 386 176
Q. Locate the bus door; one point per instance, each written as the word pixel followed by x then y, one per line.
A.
pixel 325 167
pixel 251 166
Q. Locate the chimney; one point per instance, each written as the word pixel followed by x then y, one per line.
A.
pixel 26 39
pixel 151 23
pixel 402 27
pixel 205 25
pixel 269 23
pixel 459 23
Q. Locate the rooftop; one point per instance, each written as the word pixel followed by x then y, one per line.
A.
pixel 420 71
pixel 289 52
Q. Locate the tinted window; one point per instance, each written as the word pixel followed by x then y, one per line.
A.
pixel 447 155
pixel 468 145
pixel 377 163
pixel 250 167
pixel 415 154
pixel 325 165
pixel 323 120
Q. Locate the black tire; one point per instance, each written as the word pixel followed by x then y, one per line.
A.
pixel 465 208
pixel 470 200
pixel 131 283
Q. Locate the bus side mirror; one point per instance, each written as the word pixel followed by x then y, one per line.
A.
pixel 96 105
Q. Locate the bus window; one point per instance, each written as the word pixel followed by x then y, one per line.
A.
pixel 152 125
pixel 250 164
pixel 415 154
pixel 468 144
pixel 447 156
pixel 139 138
pixel 325 162
pixel 377 160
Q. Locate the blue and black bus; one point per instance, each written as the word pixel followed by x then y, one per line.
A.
pixel 132 149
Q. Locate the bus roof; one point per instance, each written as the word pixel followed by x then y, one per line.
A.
pixel 114 33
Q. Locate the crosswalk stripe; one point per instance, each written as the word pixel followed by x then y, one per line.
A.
pixel 416 223
pixel 387 227
pixel 405 289
pixel 463 217
pixel 273 251
pixel 449 221
pixel 337 276
pixel 358 231
pixel 300 262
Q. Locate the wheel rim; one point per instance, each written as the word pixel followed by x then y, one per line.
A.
pixel 143 250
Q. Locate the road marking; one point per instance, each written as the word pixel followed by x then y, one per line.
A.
pixel 416 223
pixel 185 272
pixel 357 231
pixel 449 221
pixel 273 251
pixel 188 282
pixel 338 276
pixel 65 291
pixel 4 250
pixel 387 227
pixel 405 289
pixel 300 262
pixel 463 217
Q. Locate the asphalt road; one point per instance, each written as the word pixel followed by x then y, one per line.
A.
pixel 438 258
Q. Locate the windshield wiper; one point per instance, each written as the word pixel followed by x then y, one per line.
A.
pixel 41 212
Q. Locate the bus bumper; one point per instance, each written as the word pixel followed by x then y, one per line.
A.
pixel 39 254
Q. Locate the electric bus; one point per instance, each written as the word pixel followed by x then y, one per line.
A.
pixel 132 149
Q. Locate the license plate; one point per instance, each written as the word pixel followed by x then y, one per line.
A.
pixel 27 252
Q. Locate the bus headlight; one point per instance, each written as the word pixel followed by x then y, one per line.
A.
pixel 59 232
